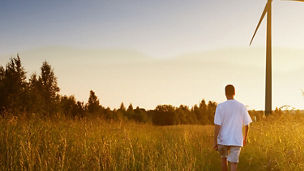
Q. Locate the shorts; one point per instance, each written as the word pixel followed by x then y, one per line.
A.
pixel 232 153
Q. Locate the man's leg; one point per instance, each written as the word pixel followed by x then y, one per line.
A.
pixel 233 157
pixel 224 164
pixel 223 150
pixel 233 166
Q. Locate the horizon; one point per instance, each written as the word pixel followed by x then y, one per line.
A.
pixel 187 69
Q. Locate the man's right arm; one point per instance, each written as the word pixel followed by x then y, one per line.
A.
pixel 246 121
pixel 216 132
pixel 217 125
pixel 245 134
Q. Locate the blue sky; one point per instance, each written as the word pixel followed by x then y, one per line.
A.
pixel 151 33
pixel 160 28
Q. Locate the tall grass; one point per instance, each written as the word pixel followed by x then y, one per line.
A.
pixel 275 143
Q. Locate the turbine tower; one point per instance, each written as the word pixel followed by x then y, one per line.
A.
pixel 268 88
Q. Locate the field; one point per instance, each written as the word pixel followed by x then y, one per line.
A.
pixel 275 143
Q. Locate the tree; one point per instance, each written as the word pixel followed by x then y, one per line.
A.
pixel 122 107
pixel 49 89
pixel 48 81
pixel 140 115
pixel 2 72
pixel 203 113
pixel 196 112
pixel 183 115
pixel 2 88
pixel 211 111
pixel 130 108
pixel 129 112
pixel 13 87
pixel 36 100
pixel 80 109
pixel 68 106
pixel 93 103
pixel 164 115
pixel 109 114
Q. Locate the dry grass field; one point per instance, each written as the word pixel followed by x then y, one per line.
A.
pixel 275 143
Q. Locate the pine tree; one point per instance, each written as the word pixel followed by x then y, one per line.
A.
pixel 13 87
pixel 93 103
pixel 49 89
pixel 122 107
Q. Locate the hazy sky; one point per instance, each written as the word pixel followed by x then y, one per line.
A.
pixel 158 52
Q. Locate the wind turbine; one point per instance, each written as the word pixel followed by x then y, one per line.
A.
pixel 268 88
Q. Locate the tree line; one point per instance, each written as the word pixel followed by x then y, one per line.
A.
pixel 39 96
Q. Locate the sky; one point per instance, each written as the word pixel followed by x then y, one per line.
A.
pixel 158 52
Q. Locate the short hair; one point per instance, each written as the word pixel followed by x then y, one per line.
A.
pixel 229 90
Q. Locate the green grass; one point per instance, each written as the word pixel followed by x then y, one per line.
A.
pixel 275 143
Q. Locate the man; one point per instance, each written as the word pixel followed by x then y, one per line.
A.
pixel 229 119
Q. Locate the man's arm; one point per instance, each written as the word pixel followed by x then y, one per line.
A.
pixel 246 121
pixel 245 134
pixel 216 132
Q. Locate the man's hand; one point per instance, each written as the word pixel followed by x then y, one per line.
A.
pixel 245 136
pixel 216 132
pixel 244 141
pixel 215 147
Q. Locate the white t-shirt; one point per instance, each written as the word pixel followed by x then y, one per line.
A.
pixel 231 115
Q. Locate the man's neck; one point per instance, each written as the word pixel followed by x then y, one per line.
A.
pixel 230 98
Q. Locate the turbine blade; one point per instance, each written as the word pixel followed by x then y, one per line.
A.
pixel 261 19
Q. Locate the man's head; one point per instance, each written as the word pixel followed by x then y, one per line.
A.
pixel 229 91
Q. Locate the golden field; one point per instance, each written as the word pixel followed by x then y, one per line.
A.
pixel 275 143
